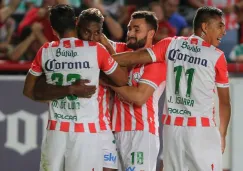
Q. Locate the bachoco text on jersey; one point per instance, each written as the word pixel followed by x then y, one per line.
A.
pixel 177 55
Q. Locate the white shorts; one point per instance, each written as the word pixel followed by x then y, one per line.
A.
pixel 62 151
pixel 192 148
pixel 138 150
pixel 110 155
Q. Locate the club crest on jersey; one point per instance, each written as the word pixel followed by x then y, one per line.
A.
pixel 177 55
pixel 65 53
pixel 136 76
pixel 192 48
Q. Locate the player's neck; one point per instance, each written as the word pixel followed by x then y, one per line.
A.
pixel 69 34
pixel 148 44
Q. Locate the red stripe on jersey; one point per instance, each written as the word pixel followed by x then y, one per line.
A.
pixel 139 119
pixel 92 127
pixel 205 44
pixel 128 117
pixel 92 43
pixel 168 120
pixel 150 117
pixel 78 43
pixel 53 125
pixel 101 109
pixel 79 127
pixel 107 112
pixel 179 121
pixel 55 44
pixel 67 44
pixel 194 41
pixel 205 122
pixel 118 119
pixel 192 121
pixel 64 126
pixel 46 45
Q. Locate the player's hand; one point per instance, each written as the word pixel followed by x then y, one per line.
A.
pixel 80 89
pixel 223 143
pixel 104 40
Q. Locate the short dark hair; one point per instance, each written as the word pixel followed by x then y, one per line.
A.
pixel 62 18
pixel 149 17
pixel 91 14
pixel 204 14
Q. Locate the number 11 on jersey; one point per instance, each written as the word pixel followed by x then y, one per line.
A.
pixel 189 73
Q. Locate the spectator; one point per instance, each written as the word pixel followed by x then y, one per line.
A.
pixel 170 8
pixel 236 55
pixel 111 28
pixel 164 29
pixel 31 40
pixel 188 9
pixel 39 15
pixel 230 8
pixel 8 10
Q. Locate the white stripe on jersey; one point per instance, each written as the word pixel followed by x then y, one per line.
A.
pixel 149 83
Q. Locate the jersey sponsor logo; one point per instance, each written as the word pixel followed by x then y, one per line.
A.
pixel 130 169
pixel 65 53
pixel 66 117
pixel 178 111
pixel 52 65
pixel 185 45
pixel 110 157
pixel 177 55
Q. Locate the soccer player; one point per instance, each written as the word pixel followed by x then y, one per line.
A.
pixel 73 134
pixel 89 28
pixel 135 110
pixel 195 66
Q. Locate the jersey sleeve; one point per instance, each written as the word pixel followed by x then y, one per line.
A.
pixel 154 74
pixel 221 77
pixel 36 66
pixel 158 51
pixel 105 61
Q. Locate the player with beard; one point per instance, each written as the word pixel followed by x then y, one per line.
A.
pixel 135 109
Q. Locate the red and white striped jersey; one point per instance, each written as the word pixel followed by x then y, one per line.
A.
pixel 63 62
pixel 194 68
pixel 104 96
pixel 128 117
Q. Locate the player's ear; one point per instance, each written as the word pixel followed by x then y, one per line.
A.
pixel 55 33
pixel 151 34
pixel 204 28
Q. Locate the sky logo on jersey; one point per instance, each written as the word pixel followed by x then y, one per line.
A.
pixel 130 169
pixel 177 55
pixel 191 48
pixel 53 65
pixel 110 157
pixel 65 53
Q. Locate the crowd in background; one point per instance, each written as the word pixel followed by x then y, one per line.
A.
pixel 25 26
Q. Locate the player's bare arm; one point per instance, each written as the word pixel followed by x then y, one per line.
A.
pixel 119 76
pixel 224 113
pixel 137 95
pixel 128 59
pixel 29 85
pixel 44 91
